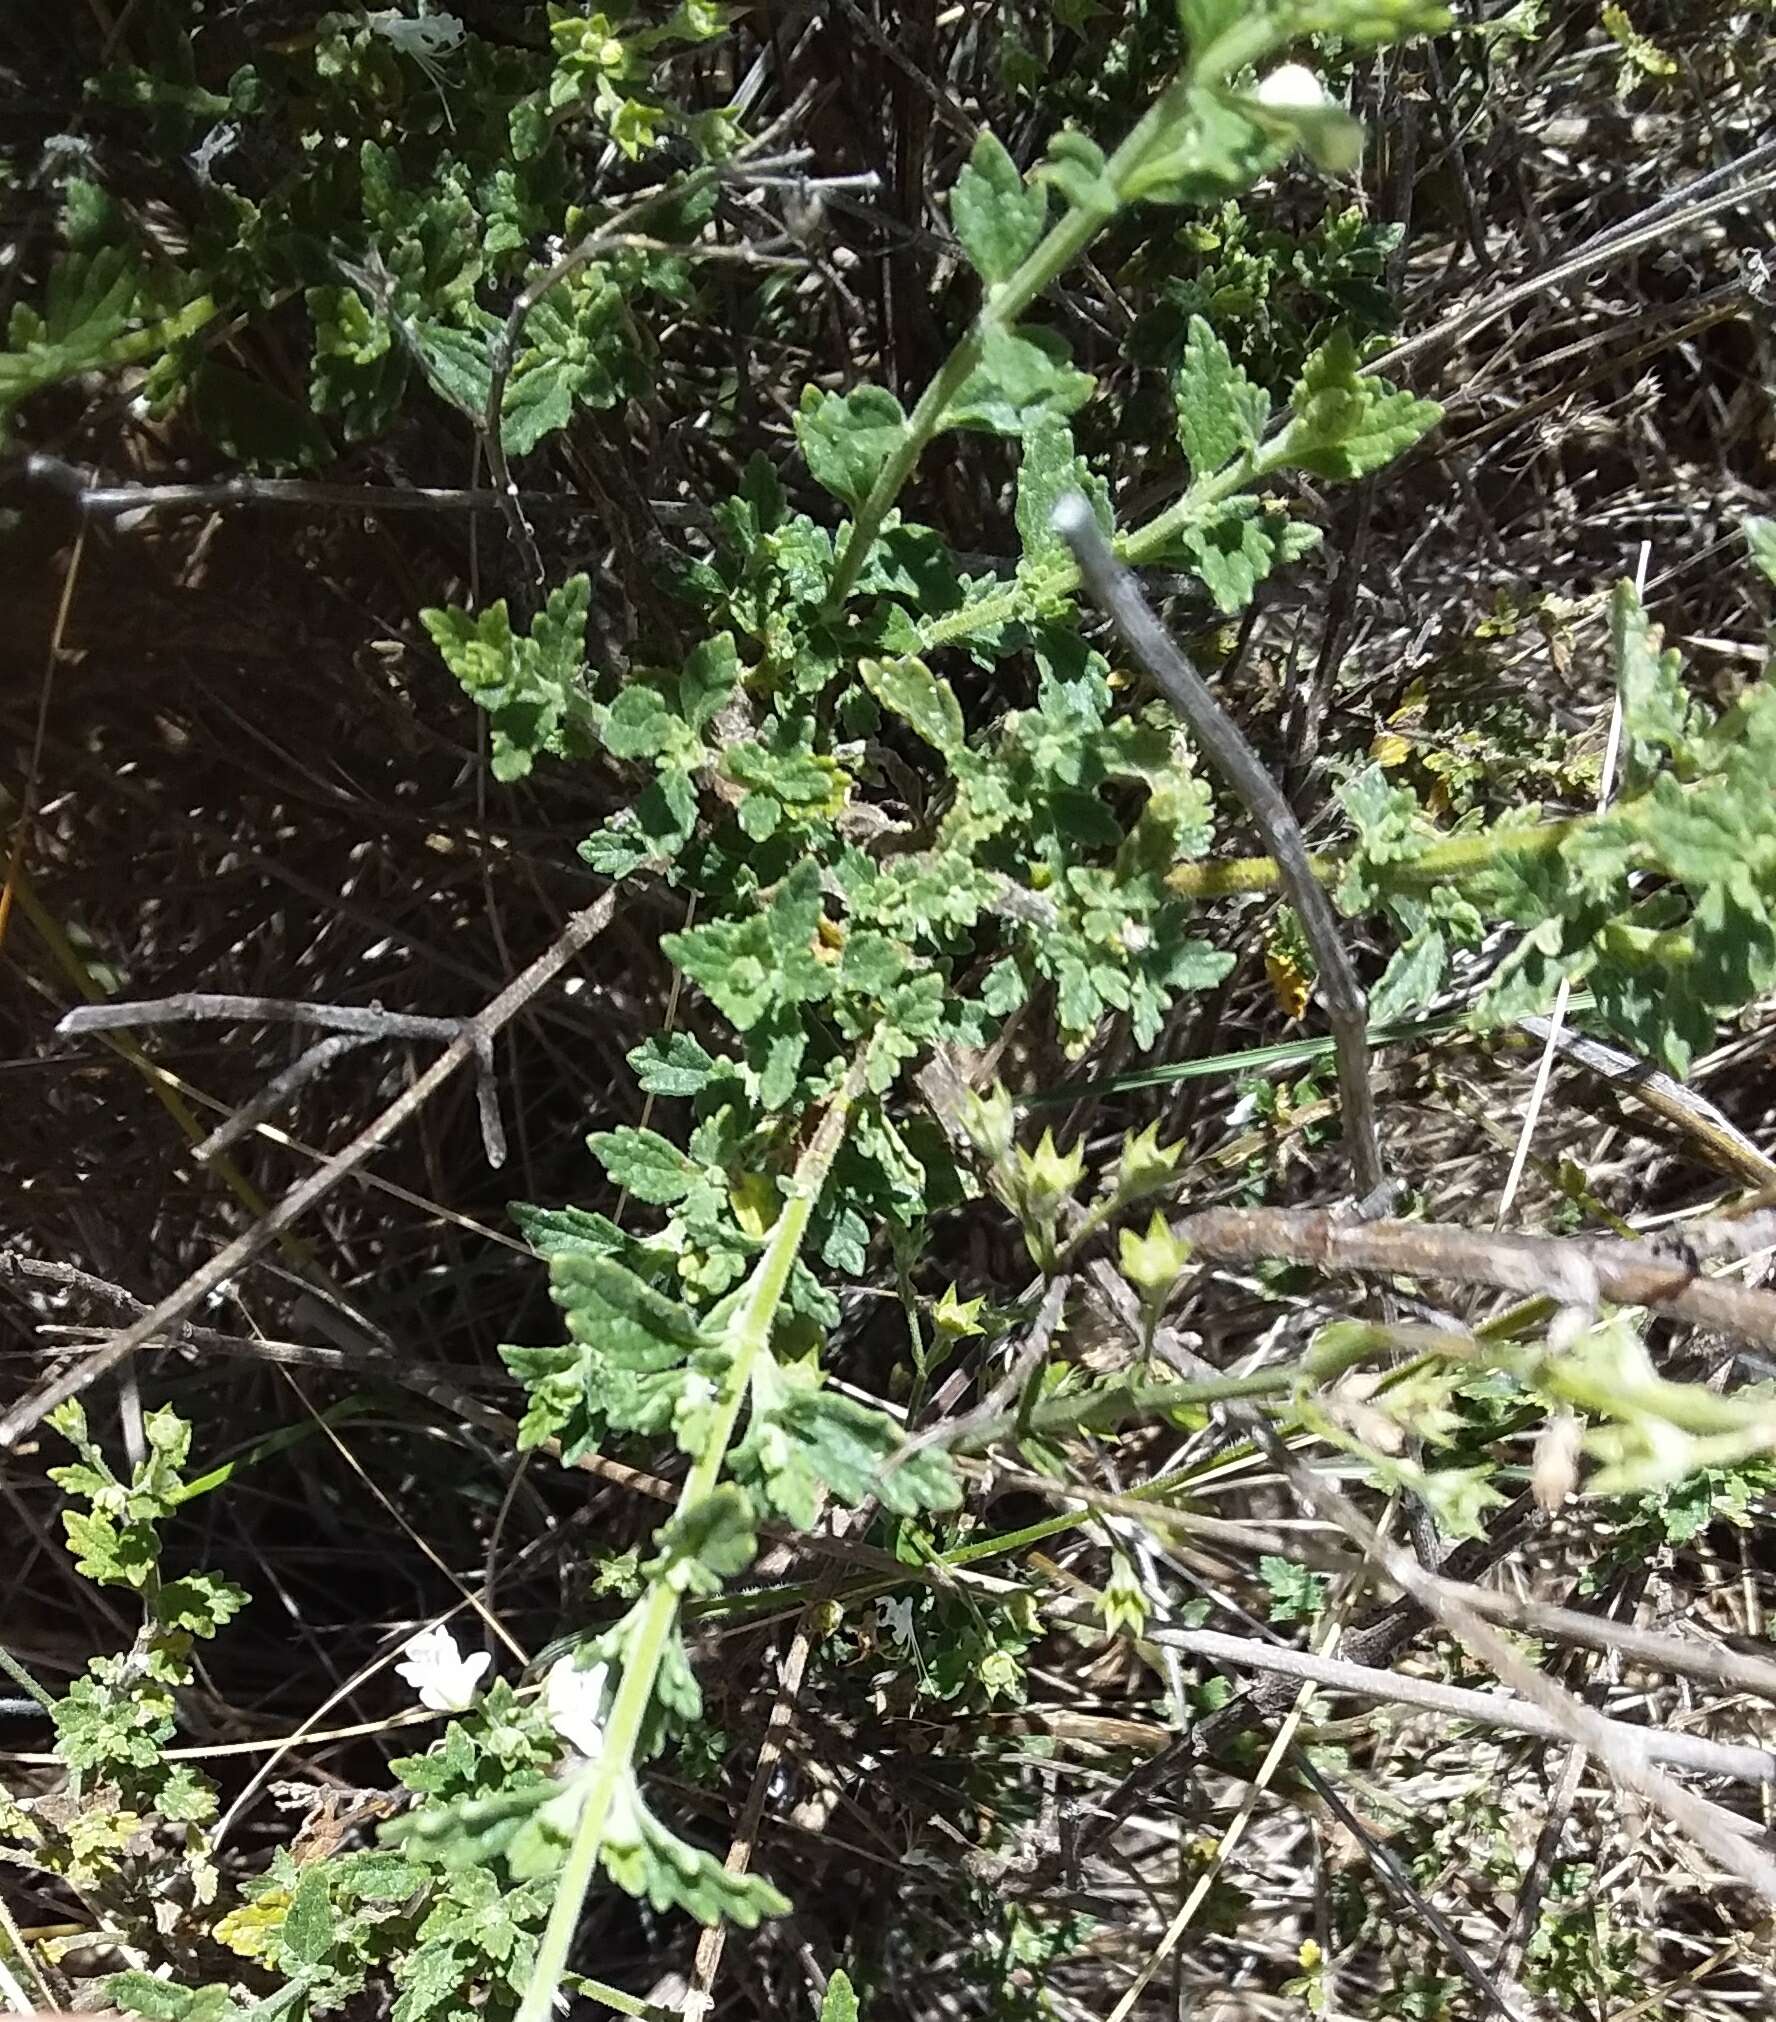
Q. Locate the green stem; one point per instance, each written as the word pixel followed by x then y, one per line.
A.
pixel 170 330
pixel 1149 543
pixel 1443 863
pixel 750 1336
pixel 1115 1404
pixel 1242 44
pixel 24 1681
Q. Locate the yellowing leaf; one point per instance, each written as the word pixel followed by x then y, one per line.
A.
pixel 1389 749
pixel 248 1930
pixel 755 1203
pixel 1291 983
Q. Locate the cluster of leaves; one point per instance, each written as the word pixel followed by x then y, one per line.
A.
pixel 130 1823
pixel 395 198
pixel 1663 905
pixel 1274 297
pixel 449 1915
pixel 643 1362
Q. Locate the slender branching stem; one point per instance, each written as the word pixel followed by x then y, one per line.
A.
pixel 749 1337
pixel 1244 43
pixel 1445 863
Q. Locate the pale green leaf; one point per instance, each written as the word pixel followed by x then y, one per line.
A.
pixel 1221 414
pixel 1345 425
pixel 1238 545
pixel 916 695
pixel 645 1164
pixel 1023 376
pixel 1413 977
pixel 1049 471
pixel 840 2004
pixel 673 1064
pixel 1658 721
pixel 847 438
pixel 998 217
pixel 1075 165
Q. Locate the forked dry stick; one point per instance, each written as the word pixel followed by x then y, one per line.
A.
pixel 351 1025
pixel 470 1042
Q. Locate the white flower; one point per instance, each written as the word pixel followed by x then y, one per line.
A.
pixel 574 1702
pixel 1136 937
pixel 1292 87
pixel 896 1617
pixel 444 1678
pixel 431 36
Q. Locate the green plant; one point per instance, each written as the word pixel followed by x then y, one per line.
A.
pixel 912 808
pixel 130 1827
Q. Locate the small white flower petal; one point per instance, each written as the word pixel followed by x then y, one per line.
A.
pixel 1292 87
pixel 574 1702
pixel 444 1678
pixel 896 1617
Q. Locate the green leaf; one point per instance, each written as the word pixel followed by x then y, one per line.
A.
pixel 813 1439
pixel 87 307
pixel 253 423
pixel 840 2004
pixel 358 370
pixel 1296 1595
pixel 200 1603
pixel 913 693
pixel 1215 145
pixel 1238 545
pixel 1050 470
pixel 646 1860
pixel 308 1923
pixel 708 1543
pixel 1413 977
pixel 998 217
pixel 1023 376
pixel 1075 165
pixel 145 1994
pixel 674 1064
pixel 556 1231
pixel 1345 426
pixel 615 1312
pixel 1221 414
pixel 847 438
pixel 783 765
pixel 645 1164
pixel 109 1554
pixel 1760 536
pixel 1205 21
pixel 531 687
pixel 1658 721
pixel 639 724
pixel 709 676
pixel 748 966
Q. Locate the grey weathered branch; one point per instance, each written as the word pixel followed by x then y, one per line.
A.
pixel 1118 594
pixel 1624 1273
pixel 1672 1747
pixel 473 1038
pixel 353 1025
